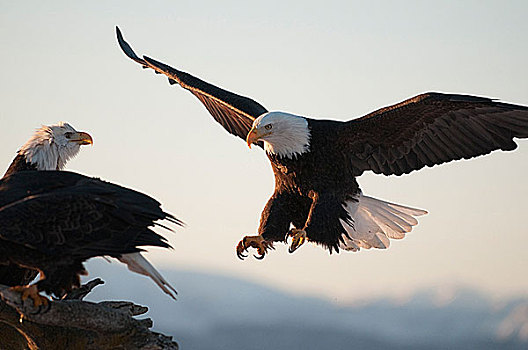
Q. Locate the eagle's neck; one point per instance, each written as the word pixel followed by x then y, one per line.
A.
pixel 292 140
pixel 39 153
pixel 44 154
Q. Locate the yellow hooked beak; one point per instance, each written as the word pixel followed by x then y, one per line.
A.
pixel 253 136
pixel 256 135
pixel 82 138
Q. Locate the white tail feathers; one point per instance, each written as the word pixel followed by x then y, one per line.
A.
pixel 375 221
pixel 137 263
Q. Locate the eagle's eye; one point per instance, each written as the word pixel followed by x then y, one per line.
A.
pixel 68 134
pixel 268 126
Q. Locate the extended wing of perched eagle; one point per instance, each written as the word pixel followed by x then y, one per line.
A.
pixel 52 221
pixel 315 162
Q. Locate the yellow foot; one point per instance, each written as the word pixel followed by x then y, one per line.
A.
pixel 257 242
pixel 31 291
pixel 298 239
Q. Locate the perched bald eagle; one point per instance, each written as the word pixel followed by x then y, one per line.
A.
pixel 316 162
pixel 51 221
pixel 49 148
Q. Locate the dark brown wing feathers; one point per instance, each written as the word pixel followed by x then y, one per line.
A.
pixel 59 212
pixel 234 112
pixel 430 129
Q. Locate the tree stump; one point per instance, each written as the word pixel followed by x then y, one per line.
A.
pixel 71 323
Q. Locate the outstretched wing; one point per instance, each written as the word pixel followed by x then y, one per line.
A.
pixel 77 215
pixel 429 129
pixel 236 113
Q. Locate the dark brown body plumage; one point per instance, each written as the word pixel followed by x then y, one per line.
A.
pixel 310 190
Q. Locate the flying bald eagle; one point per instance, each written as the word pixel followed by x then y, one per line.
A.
pixel 316 162
pixel 49 148
pixel 51 221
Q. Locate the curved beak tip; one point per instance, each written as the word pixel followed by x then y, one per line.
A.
pixel 83 138
pixel 251 137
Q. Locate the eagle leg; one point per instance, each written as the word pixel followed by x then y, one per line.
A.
pixel 31 291
pixel 256 242
pixel 298 239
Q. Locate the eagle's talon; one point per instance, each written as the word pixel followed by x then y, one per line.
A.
pixel 43 308
pixel 32 292
pixel 298 239
pixel 256 242
pixel 241 256
pixel 240 249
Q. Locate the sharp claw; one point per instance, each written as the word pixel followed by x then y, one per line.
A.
pixel 48 307
pixel 298 239
pixel 293 247
pixel 253 242
pixel 240 249
pixel 42 308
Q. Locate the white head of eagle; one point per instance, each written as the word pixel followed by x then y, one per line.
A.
pixel 52 146
pixel 284 134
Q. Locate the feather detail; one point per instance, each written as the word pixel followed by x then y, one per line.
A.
pixel 48 149
pixel 139 264
pixel 375 221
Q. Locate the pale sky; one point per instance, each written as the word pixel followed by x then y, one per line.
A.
pixel 333 60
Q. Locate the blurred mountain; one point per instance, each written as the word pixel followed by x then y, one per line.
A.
pixel 220 312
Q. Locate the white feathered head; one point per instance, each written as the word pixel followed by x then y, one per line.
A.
pixel 284 134
pixel 52 146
